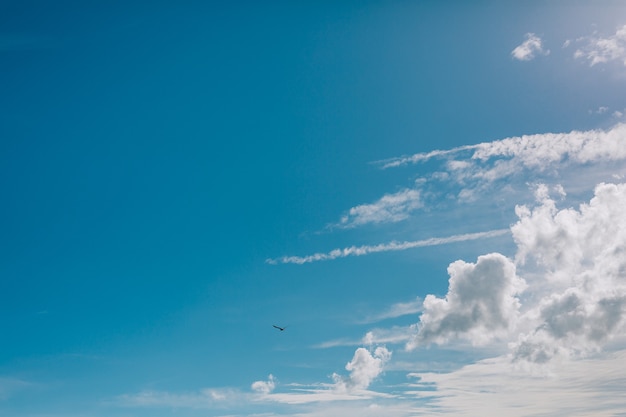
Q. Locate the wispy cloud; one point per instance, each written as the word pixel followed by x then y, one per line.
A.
pixel 530 48
pixel 470 173
pixel 599 50
pixel 396 310
pixel 539 151
pixel 496 387
pixel 385 247
pixel 422 157
pixel 389 208
pixel 379 336
pixel 204 398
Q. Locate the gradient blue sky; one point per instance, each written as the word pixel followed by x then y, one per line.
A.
pixel 177 177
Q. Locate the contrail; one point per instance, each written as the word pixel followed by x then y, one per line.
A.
pixel 384 247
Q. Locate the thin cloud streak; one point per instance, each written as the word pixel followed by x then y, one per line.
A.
pixel 421 157
pixel 533 151
pixel 385 247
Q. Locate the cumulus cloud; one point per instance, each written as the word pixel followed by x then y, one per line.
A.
pixel 580 257
pixel 530 48
pixel 600 50
pixel 569 300
pixel 566 330
pixel 480 303
pixel 364 367
pixel 389 208
pixel 264 387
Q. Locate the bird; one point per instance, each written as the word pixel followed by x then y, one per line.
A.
pixel 282 329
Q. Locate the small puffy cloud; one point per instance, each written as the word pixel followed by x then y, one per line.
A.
pixel 389 208
pixel 530 48
pixel 364 367
pixel 264 387
pixel 600 50
pixel 481 303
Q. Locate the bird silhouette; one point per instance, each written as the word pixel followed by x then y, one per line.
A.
pixel 282 329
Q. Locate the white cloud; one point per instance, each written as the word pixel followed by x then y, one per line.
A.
pixel 580 257
pixel 496 387
pixel 600 50
pixel 469 174
pixel 264 387
pixel 530 48
pixel 389 208
pixel 481 303
pixel 569 300
pixel 364 367
pixel 581 157
pixel 385 247
pixel 421 157
pixel 539 151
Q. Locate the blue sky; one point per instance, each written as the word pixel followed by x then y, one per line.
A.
pixel 428 196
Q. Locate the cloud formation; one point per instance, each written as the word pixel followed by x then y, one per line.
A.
pixel 496 387
pixel 264 387
pixel 530 48
pixel 539 151
pixel 468 173
pixel 388 209
pixel 600 50
pixel 569 300
pixel 480 303
pixel 580 256
pixel 364 367
pixel 385 247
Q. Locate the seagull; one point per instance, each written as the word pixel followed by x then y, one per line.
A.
pixel 279 328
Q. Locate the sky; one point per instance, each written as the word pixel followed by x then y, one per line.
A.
pixel 427 196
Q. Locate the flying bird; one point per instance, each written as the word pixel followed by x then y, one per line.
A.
pixel 282 329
